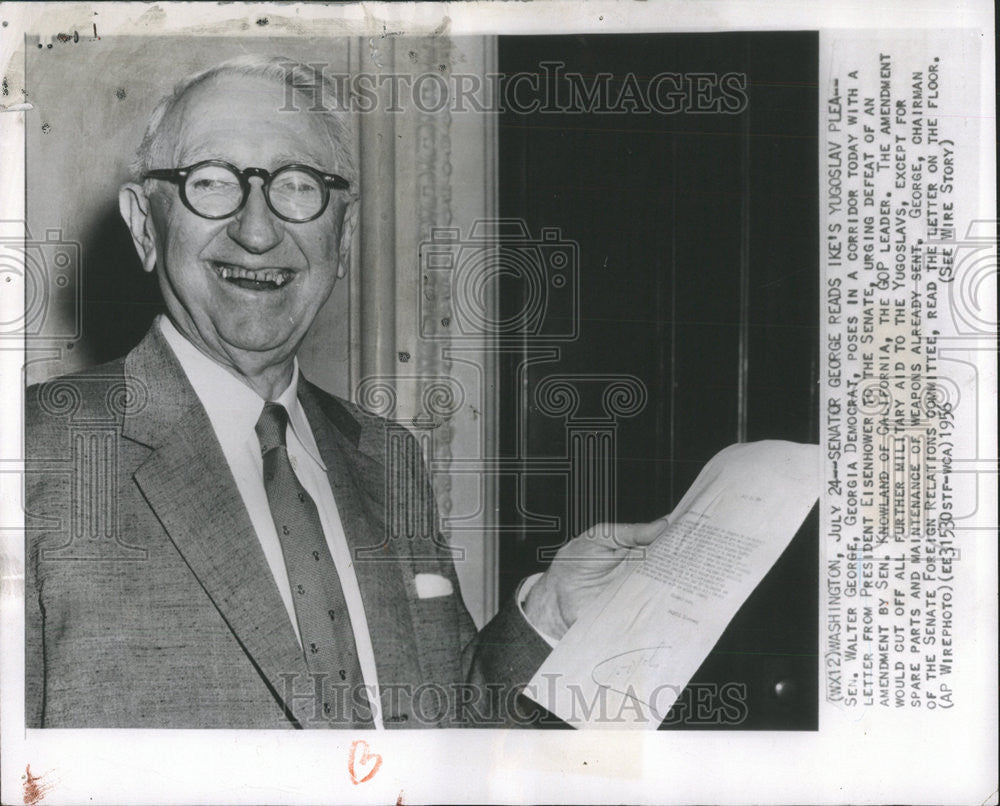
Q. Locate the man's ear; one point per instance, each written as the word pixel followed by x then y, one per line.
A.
pixel 134 207
pixel 347 236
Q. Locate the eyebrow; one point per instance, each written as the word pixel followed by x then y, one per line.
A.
pixel 282 158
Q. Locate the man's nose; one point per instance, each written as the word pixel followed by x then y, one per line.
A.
pixel 255 227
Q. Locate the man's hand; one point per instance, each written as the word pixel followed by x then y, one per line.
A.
pixel 582 569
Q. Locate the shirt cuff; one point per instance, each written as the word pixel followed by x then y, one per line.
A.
pixel 522 597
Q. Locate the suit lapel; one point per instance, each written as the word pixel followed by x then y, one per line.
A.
pixel 189 486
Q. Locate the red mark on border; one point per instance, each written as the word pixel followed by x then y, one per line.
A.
pixel 33 791
pixel 362 764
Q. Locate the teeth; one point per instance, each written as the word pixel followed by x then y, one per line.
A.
pixel 277 277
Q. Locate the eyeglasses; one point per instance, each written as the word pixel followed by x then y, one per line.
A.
pixel 216 189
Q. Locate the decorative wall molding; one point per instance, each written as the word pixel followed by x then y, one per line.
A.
pixel 422 171
pixel 432 148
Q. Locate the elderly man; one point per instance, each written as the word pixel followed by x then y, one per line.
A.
pixel 230 587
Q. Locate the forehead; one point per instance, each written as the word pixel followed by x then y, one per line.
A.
pixel 240 119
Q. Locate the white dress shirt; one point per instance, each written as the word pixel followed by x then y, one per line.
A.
pixel 233 409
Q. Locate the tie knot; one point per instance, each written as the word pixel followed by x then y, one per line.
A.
pixel 271 427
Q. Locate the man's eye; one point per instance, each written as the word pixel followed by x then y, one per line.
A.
pixel 298 188
pixel 212 185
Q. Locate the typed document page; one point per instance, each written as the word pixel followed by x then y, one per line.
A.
pixel 626 660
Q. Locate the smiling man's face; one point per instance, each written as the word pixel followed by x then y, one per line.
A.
pixel 202 264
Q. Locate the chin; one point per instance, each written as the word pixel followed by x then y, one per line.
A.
pixel 249 340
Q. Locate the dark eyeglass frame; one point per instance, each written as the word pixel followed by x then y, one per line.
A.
pixel 179 177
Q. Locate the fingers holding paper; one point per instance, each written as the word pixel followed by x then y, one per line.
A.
pixel 584 568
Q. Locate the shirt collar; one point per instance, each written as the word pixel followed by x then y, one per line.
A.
pixel 231 405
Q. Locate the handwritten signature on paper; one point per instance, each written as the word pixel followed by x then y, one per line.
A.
pixel 617 671
pixel 620 673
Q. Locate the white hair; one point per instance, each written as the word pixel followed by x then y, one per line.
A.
pixel 280 70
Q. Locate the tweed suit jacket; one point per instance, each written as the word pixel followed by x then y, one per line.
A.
pixel 149 602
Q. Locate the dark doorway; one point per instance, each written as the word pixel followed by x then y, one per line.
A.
pixel 696 235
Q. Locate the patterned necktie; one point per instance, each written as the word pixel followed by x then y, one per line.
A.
pixel 320 607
